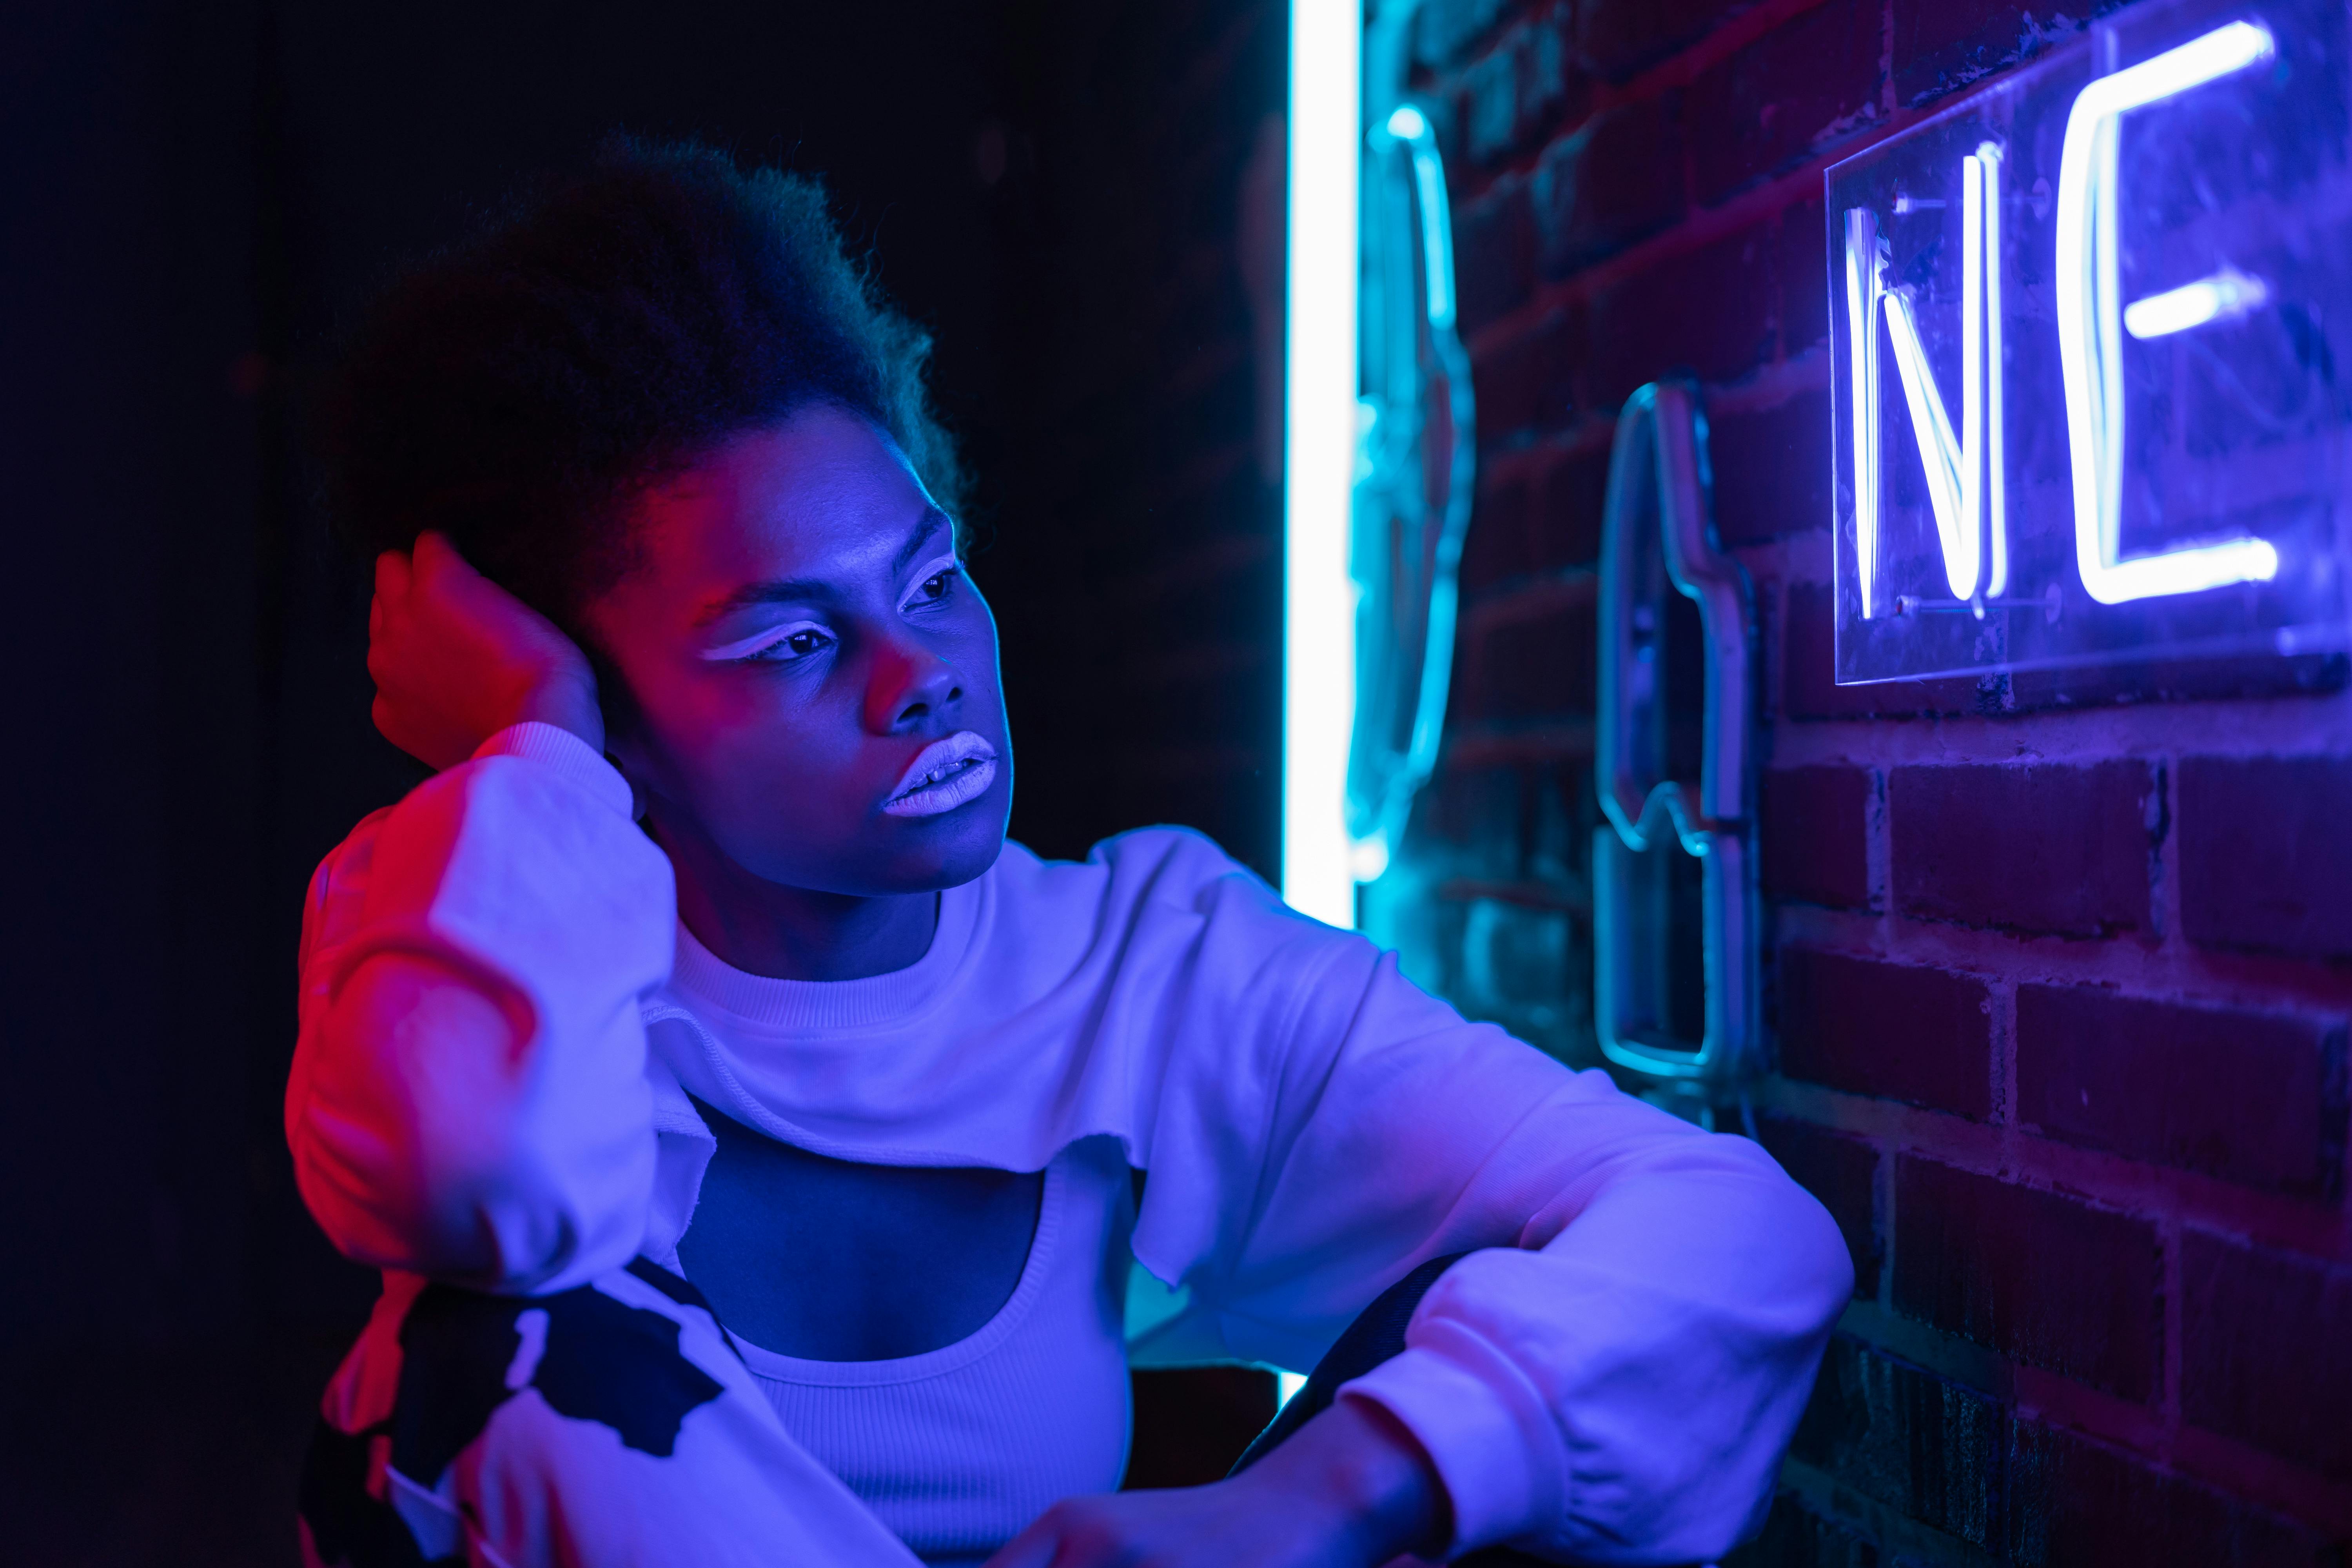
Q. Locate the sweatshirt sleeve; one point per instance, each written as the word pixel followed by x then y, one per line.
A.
pixel 468 1099
pixel 1613 1378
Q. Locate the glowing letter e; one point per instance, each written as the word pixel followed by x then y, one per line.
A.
pixel 2090 325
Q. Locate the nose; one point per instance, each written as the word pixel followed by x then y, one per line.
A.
pixel 909 685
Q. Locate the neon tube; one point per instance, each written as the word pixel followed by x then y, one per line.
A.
pixel 1965 471
pixel 1319 675
pixel 2090 325
pixel 1990 461
pixel 1864 289
pixel 1951 493
pixel 2222 297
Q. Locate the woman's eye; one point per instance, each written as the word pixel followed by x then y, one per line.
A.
pixel 791 646
pixel 936 586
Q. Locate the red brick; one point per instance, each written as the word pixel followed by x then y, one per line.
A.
pixel 2073 1503
pixel 1476 813
pixel 1807 85
pixel 1445 30
pixel 1809 674
pixel 1815 826
pixel 1520 89
pixel 1527 383
pixel 1496 548
pixel 1705 314
pixel 1618 37
pixel 1940 45
pixel 2266 853
pixel 1493 253
pixel 1772 470
pixel 1898 1031
pixel 2041 847
pixel 1842 1172
pixel 1531 668
pixel 1923 1446
pixel 2256 1098
pixel 2187 681
pixel 1569 504
pixel 1554 88
pixel 1490 105
pixel 1804 279
pixel 2039 1277
pixel 1796 1537
pixel 1618 179
pixel 2266 1350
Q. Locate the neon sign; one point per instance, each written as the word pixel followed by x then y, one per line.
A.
pixel 1319 455
pixel 2133 260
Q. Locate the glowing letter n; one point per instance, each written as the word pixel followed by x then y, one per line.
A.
pixel 1964 468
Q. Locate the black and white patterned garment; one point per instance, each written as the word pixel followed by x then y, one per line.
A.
pixel 613 1423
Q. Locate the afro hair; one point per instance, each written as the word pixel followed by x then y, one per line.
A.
pixel 517 391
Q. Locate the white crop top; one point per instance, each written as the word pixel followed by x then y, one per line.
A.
pixel 957 1450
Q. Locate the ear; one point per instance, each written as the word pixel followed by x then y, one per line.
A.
pixel 624 748
pixel 626 752
pixel 636 790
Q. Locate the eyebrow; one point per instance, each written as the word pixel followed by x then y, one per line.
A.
pixel 791 589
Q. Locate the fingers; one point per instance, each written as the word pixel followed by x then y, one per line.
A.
pixel 392 575
pixel 440 561
pixel 1035 1547
pixel 381 712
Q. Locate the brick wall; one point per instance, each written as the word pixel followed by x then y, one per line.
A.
pixel 2059 966
pixel 1137 568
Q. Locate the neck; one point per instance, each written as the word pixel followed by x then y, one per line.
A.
pixel 792 933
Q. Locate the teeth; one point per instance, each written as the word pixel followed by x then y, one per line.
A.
pixel 939 774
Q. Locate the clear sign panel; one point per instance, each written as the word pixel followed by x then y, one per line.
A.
pixel 2091 331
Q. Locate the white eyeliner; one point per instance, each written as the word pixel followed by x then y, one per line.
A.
pixel 931 569
pixel 759 641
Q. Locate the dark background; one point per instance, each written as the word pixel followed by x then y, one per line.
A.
pixel 193 198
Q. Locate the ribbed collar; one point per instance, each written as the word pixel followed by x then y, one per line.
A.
pixel 797 1006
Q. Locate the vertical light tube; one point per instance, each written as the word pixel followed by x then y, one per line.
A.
pixel 1994 464
pixel 1977 276
pixel 1319 675
pixel 1862 296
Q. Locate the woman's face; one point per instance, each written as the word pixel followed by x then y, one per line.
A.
pixel 815 679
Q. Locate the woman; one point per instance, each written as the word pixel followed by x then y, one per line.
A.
pixel 701 976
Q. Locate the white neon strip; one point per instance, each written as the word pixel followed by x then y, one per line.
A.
pixel 1862 296
pixel 1992 464
pixel 2227 294
pixel 1951 493
pixel 1319 695
pixel 2090 325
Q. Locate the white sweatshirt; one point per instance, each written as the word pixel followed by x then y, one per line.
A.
pixel 474 1097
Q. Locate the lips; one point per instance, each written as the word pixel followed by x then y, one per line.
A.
pixel 945 775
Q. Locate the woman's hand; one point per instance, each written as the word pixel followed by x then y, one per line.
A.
pixel 455 659
pixel 1349 1489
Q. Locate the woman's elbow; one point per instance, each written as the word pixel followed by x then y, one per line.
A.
pixel 1820 1264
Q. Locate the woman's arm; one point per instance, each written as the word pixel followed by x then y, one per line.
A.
pixel 1613 1379
pixel 1349 1489
pixel 1612 1375
pixel 468 1097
